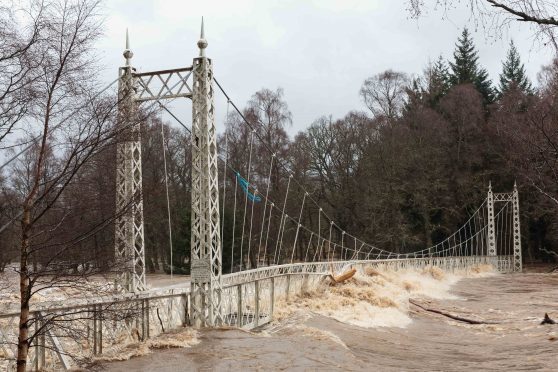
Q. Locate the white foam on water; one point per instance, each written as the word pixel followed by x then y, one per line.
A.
pixel 379 297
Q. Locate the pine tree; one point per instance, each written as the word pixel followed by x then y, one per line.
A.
pixel 465 68
pixel 513 73
pixel 438 81
pixel 429 88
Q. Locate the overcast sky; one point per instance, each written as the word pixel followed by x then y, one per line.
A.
pixel 318 51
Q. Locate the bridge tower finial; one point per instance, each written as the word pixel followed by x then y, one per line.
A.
pixel 202 43
pixel 489 186
pixel 127 52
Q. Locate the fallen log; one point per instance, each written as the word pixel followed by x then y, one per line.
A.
pixel 343 277
pixel 451 316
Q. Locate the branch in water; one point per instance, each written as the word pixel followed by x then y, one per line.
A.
pixel 448 315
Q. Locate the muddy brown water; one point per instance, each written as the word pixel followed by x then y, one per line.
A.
pixel 514 304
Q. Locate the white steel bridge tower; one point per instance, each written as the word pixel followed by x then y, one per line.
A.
pixel 206 258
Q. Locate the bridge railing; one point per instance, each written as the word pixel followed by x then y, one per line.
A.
pixel 85 329
pixel 501 263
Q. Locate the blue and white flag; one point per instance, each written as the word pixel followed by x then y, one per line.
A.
pixel 246 187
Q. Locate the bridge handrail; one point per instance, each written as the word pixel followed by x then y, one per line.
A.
pixel 229 280
pixel 55 306
pixel 301 268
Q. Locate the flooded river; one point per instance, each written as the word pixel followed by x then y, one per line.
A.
pixel 343 329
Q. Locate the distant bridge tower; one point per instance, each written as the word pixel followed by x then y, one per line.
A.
pixel 517 259
pixel 493 245
pixel 129 238
pixel 491 234
pixel 206 308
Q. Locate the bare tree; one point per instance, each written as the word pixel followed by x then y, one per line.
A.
pixel 252 137
pixel 384 94
pixel 19 61
pixel 497 14
pixel 548 78
pixel 268 112
pixel 64 74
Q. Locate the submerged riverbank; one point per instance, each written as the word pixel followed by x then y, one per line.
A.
pixel 328 332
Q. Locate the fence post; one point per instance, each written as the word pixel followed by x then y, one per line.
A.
pixel 257 300
pixel 147 317
pixel 100 329
pixel 272 298
pixel 288 286
pixel 37 367
pixel 142 320
pixel 239 314
pixel 95 342
pixel 186 303
pixel 42 342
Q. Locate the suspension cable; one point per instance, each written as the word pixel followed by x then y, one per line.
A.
pixel 265 207
pixel 246 198
pixel 225 179
pixel 168 198
pixel 281 223
pixel 298 226
pixel 234 221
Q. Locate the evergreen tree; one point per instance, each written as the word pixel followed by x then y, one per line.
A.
pixel 465 68
pixel 429 88
pixel 513 73
pixel 438 81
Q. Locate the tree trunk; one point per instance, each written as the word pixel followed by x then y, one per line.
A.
pixel 24 282
pixel 24 290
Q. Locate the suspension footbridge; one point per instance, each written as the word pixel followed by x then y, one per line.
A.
pixel 281 242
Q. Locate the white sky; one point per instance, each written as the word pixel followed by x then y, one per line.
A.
pixel 318 51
